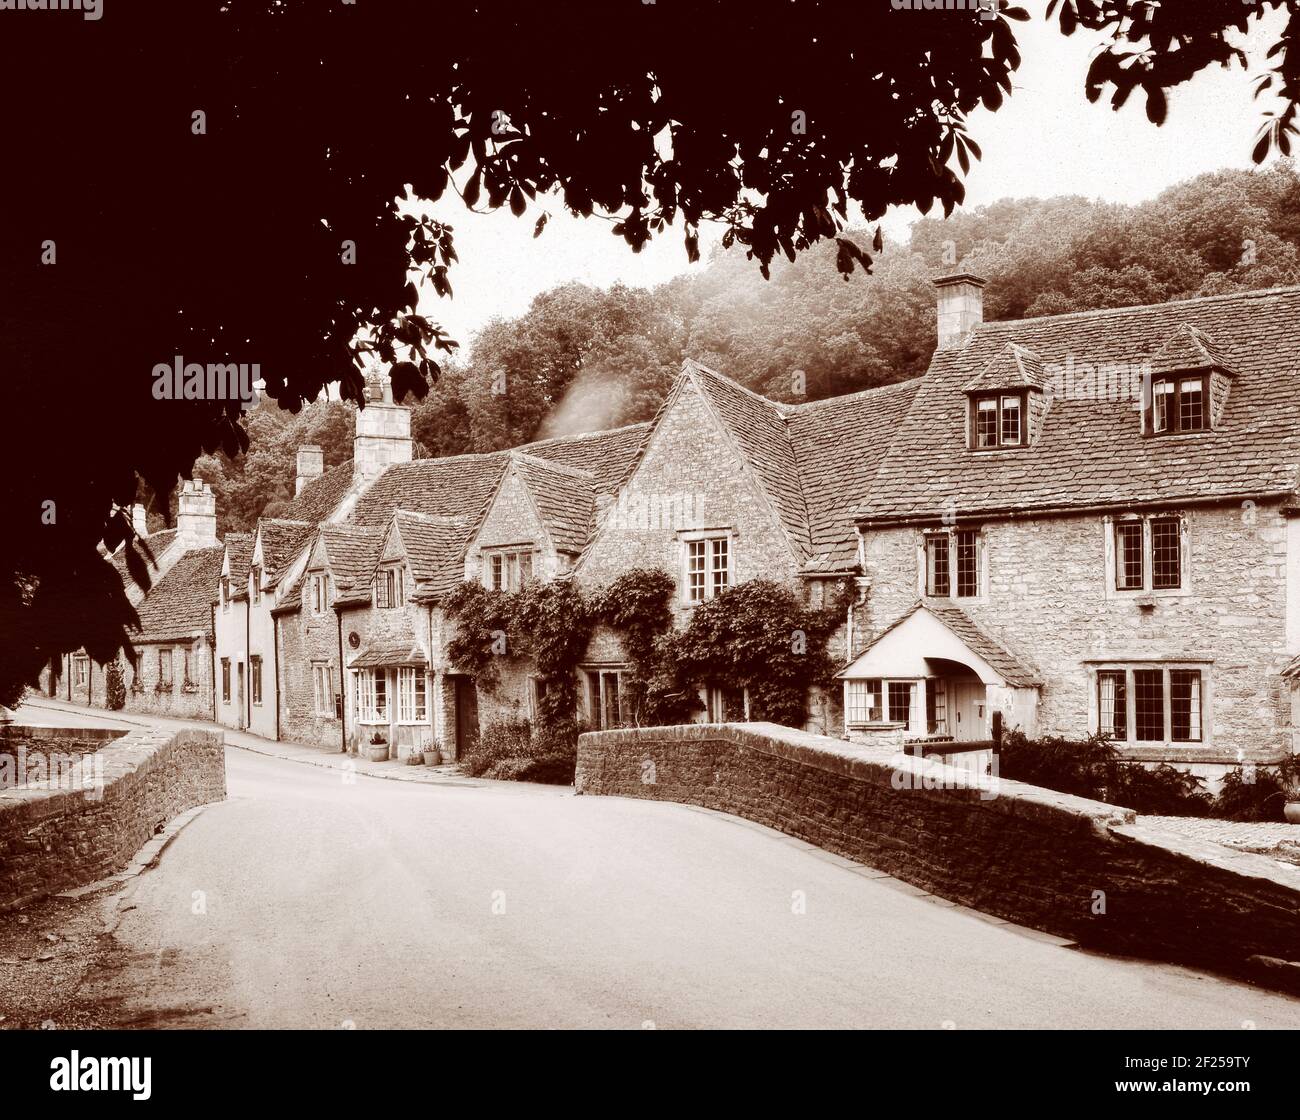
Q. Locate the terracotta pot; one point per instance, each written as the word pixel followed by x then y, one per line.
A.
pixel 1291 810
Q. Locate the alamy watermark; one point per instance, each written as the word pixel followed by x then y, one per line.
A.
pixel 61 771
pixel 216 381
pixel 89 9
pixel 987 9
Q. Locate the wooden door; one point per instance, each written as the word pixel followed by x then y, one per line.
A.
pixel 466 714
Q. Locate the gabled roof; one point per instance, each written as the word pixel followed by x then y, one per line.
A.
pixel 1090 449
pixel 435 549
pixel 351 552
pixel 1292 671
pixel 838 445
pixel 762 436
pixel 1014 367
pixel 282 540
pixel 239 550
pixel 1014 671
pixel 180 604
pixel 565 499
pixel 606 454
pixel 969 639
pixel 1186 349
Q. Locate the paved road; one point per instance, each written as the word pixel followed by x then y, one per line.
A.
pixel 303 901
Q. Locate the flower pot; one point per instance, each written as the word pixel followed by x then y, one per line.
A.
pixel 432 758
pixel 377 752
pixel 1291 810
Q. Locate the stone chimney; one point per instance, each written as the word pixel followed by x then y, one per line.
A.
pixel 196 517
pixel 383 431
pixel 311 464
pixel 139 521
pixel 961 307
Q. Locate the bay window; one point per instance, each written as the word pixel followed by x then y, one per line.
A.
pixel 412 706
pixel 372 696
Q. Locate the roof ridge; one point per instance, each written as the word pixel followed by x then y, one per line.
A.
pixel 576 436
pixel 550 464
pixel 1101 312
pixel 802 406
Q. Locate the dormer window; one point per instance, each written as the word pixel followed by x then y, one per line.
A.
pixel 998 420
pixel 1178 405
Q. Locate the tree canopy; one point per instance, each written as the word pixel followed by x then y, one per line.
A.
pixel 218 182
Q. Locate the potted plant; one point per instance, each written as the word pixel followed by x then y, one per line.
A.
pixel 433 753
pixel 378 748
pixel 1289 772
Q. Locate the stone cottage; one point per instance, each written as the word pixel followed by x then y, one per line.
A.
pixel 1089 523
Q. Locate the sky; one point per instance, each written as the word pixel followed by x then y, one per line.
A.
pixel 1045 140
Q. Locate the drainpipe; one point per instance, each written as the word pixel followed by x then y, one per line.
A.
pixel 212 613
pixel 248 662
pixel 275 669
pixel 343 695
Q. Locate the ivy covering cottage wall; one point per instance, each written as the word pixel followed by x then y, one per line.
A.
pixel 758 637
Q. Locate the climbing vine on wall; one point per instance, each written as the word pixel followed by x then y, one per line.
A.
pixel 759 635
pixel 114 686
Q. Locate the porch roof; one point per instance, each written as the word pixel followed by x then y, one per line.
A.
pixel 930 631
pixel 389 651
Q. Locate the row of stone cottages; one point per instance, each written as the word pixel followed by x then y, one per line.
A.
pixel 1084 523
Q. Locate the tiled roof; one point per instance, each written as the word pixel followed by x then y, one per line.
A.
pixel 838 445
pixel 565 499
pixel 321 496
pixel 447 487
pixel 435 549
pixel 282 540
pixel 180 604
pixel 1009 667
pixel 351 551
pixel 759 428
pixel 1014 367
pixel 240 548
pixel 607 455
pixel 401 650
pixel 1188 348
pixel 150 548
pixel 1091 451
pixel 1017 673
pixel 1292 671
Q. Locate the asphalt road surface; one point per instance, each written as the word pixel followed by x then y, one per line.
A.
pixel 305 901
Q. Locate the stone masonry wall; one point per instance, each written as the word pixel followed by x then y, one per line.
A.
pixel 53 839
pixel 1045 598
pixel 1029 855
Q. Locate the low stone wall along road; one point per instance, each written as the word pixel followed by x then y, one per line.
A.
pixel 303 901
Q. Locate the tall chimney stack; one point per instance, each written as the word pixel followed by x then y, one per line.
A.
pixel 311 464
pixel 961 307
pixel 383 431
pixel 196 517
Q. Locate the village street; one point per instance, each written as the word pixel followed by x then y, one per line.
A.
pixel 314 898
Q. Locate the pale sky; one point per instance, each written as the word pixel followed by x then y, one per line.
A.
pixel 1045 140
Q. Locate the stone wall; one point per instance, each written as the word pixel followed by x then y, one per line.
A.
pixel 1044 595
pixel 1077 868
pixel 55 836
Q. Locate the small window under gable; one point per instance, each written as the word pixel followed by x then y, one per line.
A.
pixel 1188 386
pixel 1005 404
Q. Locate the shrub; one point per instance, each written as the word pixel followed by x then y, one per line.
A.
pixel 1258 793
pixel 114 686
pixel 497 740
pixel 513 750
pixel 1092 768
